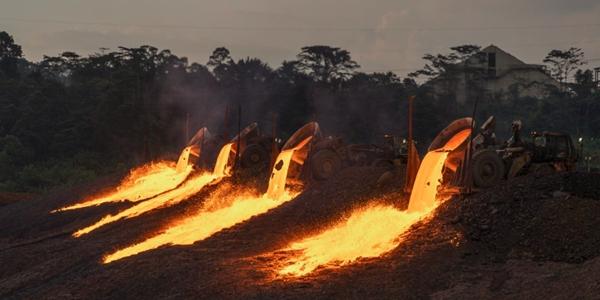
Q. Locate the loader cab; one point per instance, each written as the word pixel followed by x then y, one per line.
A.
pixel 395 144
pixel 552 147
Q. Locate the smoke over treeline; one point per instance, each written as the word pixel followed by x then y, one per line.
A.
pixel 69 118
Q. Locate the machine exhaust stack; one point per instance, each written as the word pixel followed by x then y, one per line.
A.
pixel 412 162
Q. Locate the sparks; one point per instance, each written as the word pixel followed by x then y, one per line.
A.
pixel 142 183
pixel 375 230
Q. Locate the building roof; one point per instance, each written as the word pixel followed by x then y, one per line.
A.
pixel 506 63
pixel 494 48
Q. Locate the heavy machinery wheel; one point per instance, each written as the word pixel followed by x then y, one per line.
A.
pixel 487 168
pixel 254 157
pixel 324 164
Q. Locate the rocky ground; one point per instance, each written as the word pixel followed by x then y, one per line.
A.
pixel 531 237
pixel 9 198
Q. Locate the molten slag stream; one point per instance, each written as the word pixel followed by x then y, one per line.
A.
pixel 142 183
pixel 203 224
pixel 375 229
pixel 221 169
pixel 208 221
pixel 184 191
pixel 189 188
pixel 278 178
pixel 368 232
pixel 428 179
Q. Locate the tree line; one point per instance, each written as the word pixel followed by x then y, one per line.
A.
pixel 70 118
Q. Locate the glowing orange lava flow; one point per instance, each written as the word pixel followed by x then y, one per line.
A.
pixel 142 183
pixel 377 229
pixel 208 220
pixel 204 224
pixel 368 232
pixel 187 189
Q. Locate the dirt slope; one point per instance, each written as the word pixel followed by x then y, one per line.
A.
pixel 530 237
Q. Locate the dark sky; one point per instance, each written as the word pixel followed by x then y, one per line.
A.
pixel 381 34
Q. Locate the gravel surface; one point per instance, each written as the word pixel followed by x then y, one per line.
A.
pixel 526 238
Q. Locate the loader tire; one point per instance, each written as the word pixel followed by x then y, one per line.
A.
pixel 255 157
pixel 487 168
pixel 324 164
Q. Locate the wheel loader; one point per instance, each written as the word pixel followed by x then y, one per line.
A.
pixel 542 153
pixel 316 158
pixel 256 150
pixel 330 154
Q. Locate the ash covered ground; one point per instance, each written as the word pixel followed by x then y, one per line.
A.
pixel 531 237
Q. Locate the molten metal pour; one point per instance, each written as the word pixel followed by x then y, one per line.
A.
pixel 142 183
pixel 208 221
pixel 191 187
pixel 376 229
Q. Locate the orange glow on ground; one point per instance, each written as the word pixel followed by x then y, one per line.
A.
pixel 369 232
pixel 377 229
pixel 184 191
pixel 208 220
pixel 204 224
pixel 142 183
pixel 189 188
